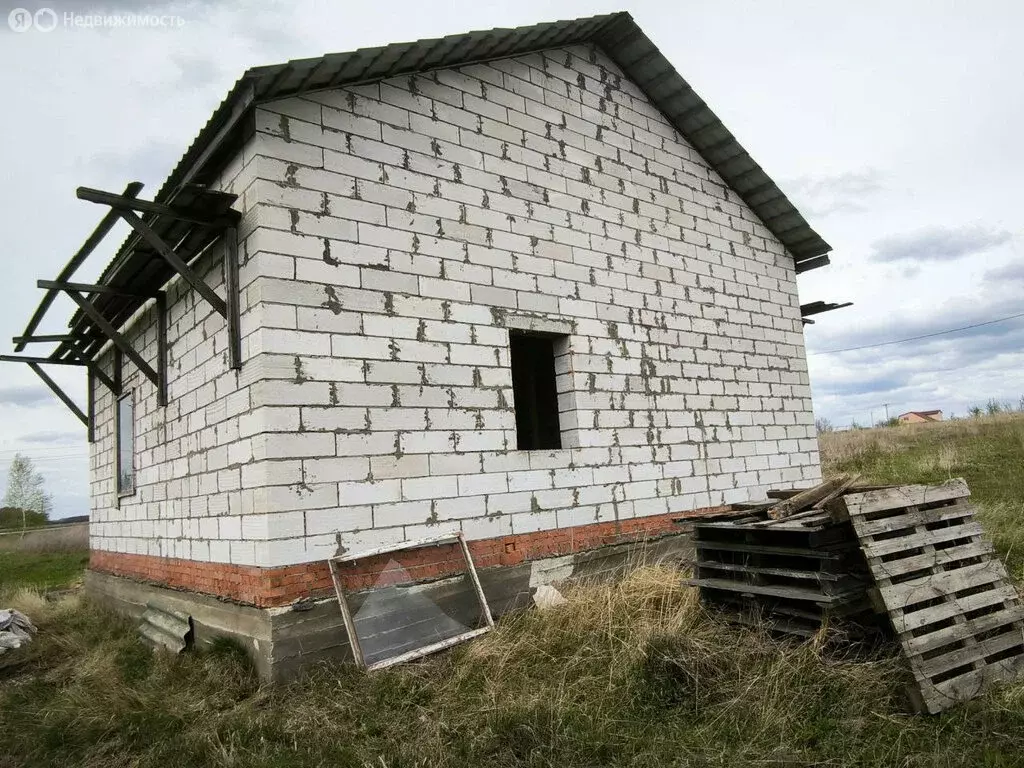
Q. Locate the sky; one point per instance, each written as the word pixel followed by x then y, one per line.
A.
pixel 893 126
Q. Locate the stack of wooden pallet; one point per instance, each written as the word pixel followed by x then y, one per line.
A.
pixel 913 553
pixel 795 571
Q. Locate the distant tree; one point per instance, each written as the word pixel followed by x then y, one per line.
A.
pixel 975 411
pixel 823 425
pixel 26 491
pixel 992 407
pixel 855 425
pixel 12 517
pixel 892 421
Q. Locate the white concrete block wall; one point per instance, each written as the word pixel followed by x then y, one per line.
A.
pixel 191 457
pixel 403 227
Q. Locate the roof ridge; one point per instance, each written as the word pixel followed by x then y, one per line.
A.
pixel 617 34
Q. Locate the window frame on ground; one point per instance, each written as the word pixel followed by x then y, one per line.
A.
pixel 349 619
pixel 538 361
pixel 129 488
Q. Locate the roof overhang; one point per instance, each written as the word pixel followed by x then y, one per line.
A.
pixel 186 217
pixel 617 34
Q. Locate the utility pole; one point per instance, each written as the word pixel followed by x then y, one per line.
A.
pixel 886 411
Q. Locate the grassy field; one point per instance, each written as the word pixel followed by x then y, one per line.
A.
pixel 630 674
pixel 41 570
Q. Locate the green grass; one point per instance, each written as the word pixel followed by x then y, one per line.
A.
pixel 627 674
pixel 987 452
pixel 41 570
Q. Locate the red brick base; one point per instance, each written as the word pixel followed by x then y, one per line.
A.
pixel 268 587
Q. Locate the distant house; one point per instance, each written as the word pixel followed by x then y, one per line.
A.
pixel 919 417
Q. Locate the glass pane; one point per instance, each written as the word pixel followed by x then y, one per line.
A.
pixel 397 615
pixel 125 445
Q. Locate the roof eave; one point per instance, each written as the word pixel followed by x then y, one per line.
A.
pixel 618 35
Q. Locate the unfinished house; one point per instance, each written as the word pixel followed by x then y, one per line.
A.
pixel 521 285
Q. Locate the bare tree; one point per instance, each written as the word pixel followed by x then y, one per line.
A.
pixel 26 490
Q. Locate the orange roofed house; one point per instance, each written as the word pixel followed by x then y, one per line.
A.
pixel 919 417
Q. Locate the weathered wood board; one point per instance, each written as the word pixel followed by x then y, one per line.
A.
pixel 959 620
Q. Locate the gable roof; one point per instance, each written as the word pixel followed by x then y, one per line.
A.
pixel 922 414
pixel 616 34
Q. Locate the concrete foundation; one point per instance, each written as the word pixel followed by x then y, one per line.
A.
pixel 283 641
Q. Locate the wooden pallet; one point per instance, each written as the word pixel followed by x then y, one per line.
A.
pixel 959 620
pixel 792 575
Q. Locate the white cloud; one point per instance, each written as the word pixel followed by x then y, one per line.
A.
pixel 883 128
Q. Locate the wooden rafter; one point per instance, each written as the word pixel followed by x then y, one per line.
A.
pixel 55 388
pixel 112 333
pixel 187 274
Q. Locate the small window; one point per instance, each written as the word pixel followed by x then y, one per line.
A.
pixel 535 392
pixel 126 445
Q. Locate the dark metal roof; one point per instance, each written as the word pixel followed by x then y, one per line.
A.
pixel 616 34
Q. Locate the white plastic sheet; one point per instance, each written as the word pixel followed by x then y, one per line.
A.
pixel 15 630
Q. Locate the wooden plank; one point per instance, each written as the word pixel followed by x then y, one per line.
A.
pixel 785 493
pixel 112 333
pixel 729 546
pixel 893 568
pixel 859 504
pixel 792 573
pixel 815 516
pixel 805 499
pixel 144 206
pixel 915 541
pixel 102 290
pixel 789 593
pixel 940 696
pixel 925 669
pixel 914 517
pixel 942 583
pixel 904 622
pixel 232 298
pixel 157 244
pixel 915 646
pixel 837 492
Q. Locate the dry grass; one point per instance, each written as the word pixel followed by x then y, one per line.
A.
pixel 59 538
pixel 987 451
pixel 633 673
pixel 627 674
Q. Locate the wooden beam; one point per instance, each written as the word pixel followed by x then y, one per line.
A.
pixel 104 227
pixel 105 290
pixel 111 333
pixel 231 291
pixel 93 367
pixel 108 382
pixel 157 243
pixel 123 203
pixel 41 360
pixel 119 370
pixel 161 348
pixel 805 499
pixel 90 403
pixel 57 338
pixel 55 388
